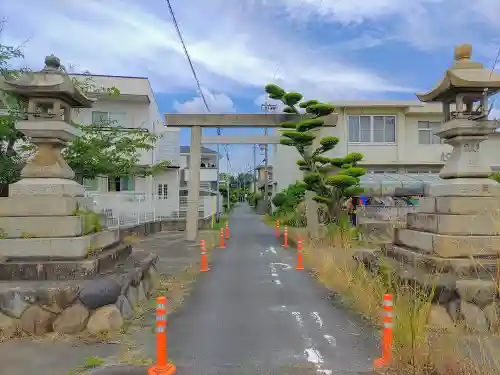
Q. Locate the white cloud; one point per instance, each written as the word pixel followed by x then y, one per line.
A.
pixel 494 114
pixel 232 45
pixel 424 24
pixel 217 103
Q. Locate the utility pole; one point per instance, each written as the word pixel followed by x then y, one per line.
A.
pixel 218 184
pixel 254 171
pixel 228 182
pixel 266 107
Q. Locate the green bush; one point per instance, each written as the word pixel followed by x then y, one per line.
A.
pixel 333 180
pixel 253 199
pixel 289 198
pixel 91 221
pixel 293 219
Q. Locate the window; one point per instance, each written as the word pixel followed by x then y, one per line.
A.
pixel 162 191
pixel 91 184
pixel 426 130
pixel 109 118
pixel 100 118
pixel 372 129
pixel 121 184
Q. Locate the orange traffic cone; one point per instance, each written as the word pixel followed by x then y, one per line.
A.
pixel 300 260
pixel 204 261
pixel 285 237
pixel 222 245
pixel 278 231
pixel 386 359
pixel 162 367
pixel 227 231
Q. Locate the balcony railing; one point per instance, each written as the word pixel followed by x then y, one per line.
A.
pixel 203 185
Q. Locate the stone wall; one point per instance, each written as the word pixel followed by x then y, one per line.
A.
pixel 462 295
pixel 458 299
pixel 145 229
pixel 98 305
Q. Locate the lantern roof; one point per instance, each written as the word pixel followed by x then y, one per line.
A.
pixel 51 82
pixel 464 76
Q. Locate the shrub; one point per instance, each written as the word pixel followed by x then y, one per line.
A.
pixel 331 191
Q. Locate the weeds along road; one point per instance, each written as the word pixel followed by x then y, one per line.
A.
pixel 253 313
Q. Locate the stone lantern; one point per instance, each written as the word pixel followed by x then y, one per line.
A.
pixel 451 245
pixel 50 95
pixel 464 92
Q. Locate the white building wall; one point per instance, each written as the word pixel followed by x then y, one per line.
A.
pixel 404 155
pixel 165 207
pixel 136 107
pixel 168 146
pixel 132 115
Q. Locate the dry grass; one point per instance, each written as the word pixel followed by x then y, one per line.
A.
pixel 417 349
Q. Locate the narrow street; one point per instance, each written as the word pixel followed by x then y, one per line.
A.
pixel 253 313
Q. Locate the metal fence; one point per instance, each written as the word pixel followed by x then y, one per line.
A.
pixel 125 209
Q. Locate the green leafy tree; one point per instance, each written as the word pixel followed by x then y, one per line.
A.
pixel 107 150
pixel 253 199
pixel 13 154
pixel 244 180
pixel 289 198
pixel 102 150
pixel 332 179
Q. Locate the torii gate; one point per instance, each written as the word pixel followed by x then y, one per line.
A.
pixel 224 121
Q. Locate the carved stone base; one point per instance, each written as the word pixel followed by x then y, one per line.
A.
pixel 465 187
pixel 47 186
pixel 48 163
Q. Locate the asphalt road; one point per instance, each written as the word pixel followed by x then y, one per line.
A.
pixel 253 313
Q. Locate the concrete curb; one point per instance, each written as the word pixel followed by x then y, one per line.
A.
pixel 119 370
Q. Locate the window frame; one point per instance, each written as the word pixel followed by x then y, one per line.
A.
pixel 129 180
pixel 109 118
pixel 429 129
pixel 372 118
pixel 100 122
pixel 162 191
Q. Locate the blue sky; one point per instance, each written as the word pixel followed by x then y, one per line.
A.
pixel 326 49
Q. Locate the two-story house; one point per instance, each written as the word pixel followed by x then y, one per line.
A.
pixel 261 180
pixel 134 107
pixel 395 137
pixel 208 174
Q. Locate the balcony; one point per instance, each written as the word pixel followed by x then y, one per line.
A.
pixel 206 174
pixel 204 185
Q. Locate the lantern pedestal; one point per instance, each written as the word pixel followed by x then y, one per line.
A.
pixel 55 254
pixel 450 248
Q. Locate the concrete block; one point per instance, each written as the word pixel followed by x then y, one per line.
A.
pixel 46 186
pixel 454 224
pixel 469 206
pixel 427 205
pixel 38 206
pixel 465 187
pixel 56 248
pixel 461 267
pixel 448 246
pixel 41 226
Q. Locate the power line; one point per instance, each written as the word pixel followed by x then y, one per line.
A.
pixel 193 71
pixel 187 54
pixel 495 63
pixel 491 73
